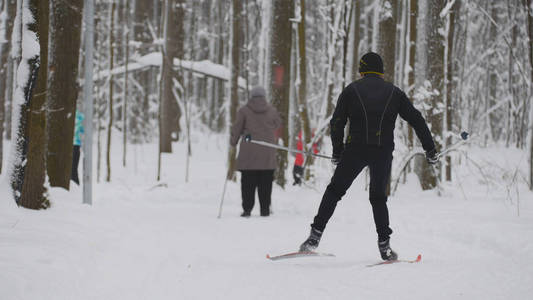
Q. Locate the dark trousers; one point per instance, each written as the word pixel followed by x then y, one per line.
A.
pixel 297 174
pixel 353 161
pixel 75 163
pixel 260 180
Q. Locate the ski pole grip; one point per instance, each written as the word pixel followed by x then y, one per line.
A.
pixel 247 138
pixel 464 135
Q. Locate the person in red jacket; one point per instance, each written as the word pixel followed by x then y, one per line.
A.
pixel 298 168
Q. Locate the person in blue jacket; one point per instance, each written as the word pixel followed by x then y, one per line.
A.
pixel 78 132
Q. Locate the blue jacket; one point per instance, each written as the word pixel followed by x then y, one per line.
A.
pixel 78 128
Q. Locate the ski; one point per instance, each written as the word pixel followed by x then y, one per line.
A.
pixel 299 254
pixel 389 262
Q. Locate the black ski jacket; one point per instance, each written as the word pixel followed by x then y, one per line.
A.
pixel 372 105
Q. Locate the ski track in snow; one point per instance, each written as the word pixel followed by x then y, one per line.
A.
pixel 143 242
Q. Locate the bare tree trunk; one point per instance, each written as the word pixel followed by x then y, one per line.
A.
pixel 111 84
pixel 413 5
pixel 219 121
pixel 331 47
pixel 125 95
pixel 509 124
pixel 402 42
pixel 356 37
pixel 302 85
pixel 33 193
pixel 10 86
pixel 63 88
pixel 235 69
pixel 333 32
pixel 19 118
pixel 10 7
pixel 452 19
pixel 435 70
pixel 387 37
pixel 165 141
pixel 281 63
pixel 529 9
pixel 88 103
pixel 169 112
pixel 387 42
pixel 492 73
pixel 174 39
pixel 142 16
pixel 347 19
pixel 98 107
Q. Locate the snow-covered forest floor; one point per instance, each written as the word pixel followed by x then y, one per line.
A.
pixel 143 241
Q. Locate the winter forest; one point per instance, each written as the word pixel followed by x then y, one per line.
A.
pixel 149 90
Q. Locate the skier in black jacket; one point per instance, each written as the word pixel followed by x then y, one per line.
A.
pixel 372 105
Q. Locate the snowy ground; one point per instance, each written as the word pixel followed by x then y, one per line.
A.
pixel 139 241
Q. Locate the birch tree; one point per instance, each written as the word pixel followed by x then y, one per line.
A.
pixel 6 69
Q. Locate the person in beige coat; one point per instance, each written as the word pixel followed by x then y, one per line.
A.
pixel 255 162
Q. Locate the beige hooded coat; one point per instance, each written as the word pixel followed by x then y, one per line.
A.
pixel 260 120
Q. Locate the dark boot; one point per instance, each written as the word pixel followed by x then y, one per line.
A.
pixel 385 250
pixel 312 241
pixel 245 214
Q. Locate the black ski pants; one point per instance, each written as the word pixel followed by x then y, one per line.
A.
pixel 354 159
pixel 260 180
pixel 75 162
pixel 297 174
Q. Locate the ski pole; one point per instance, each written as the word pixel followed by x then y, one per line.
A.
pixel 248 139
pixel 222 199
pixel 224 191
pixel 464 137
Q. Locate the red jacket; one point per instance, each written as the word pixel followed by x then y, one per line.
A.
pixel 299 161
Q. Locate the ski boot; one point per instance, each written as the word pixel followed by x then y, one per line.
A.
pixel 312 241
pixel 385 250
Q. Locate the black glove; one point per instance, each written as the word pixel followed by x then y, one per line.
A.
pixel 337 155
pixel 335 159
pixel 432 157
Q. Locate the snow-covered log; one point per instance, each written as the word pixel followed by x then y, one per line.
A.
pixel 154 59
